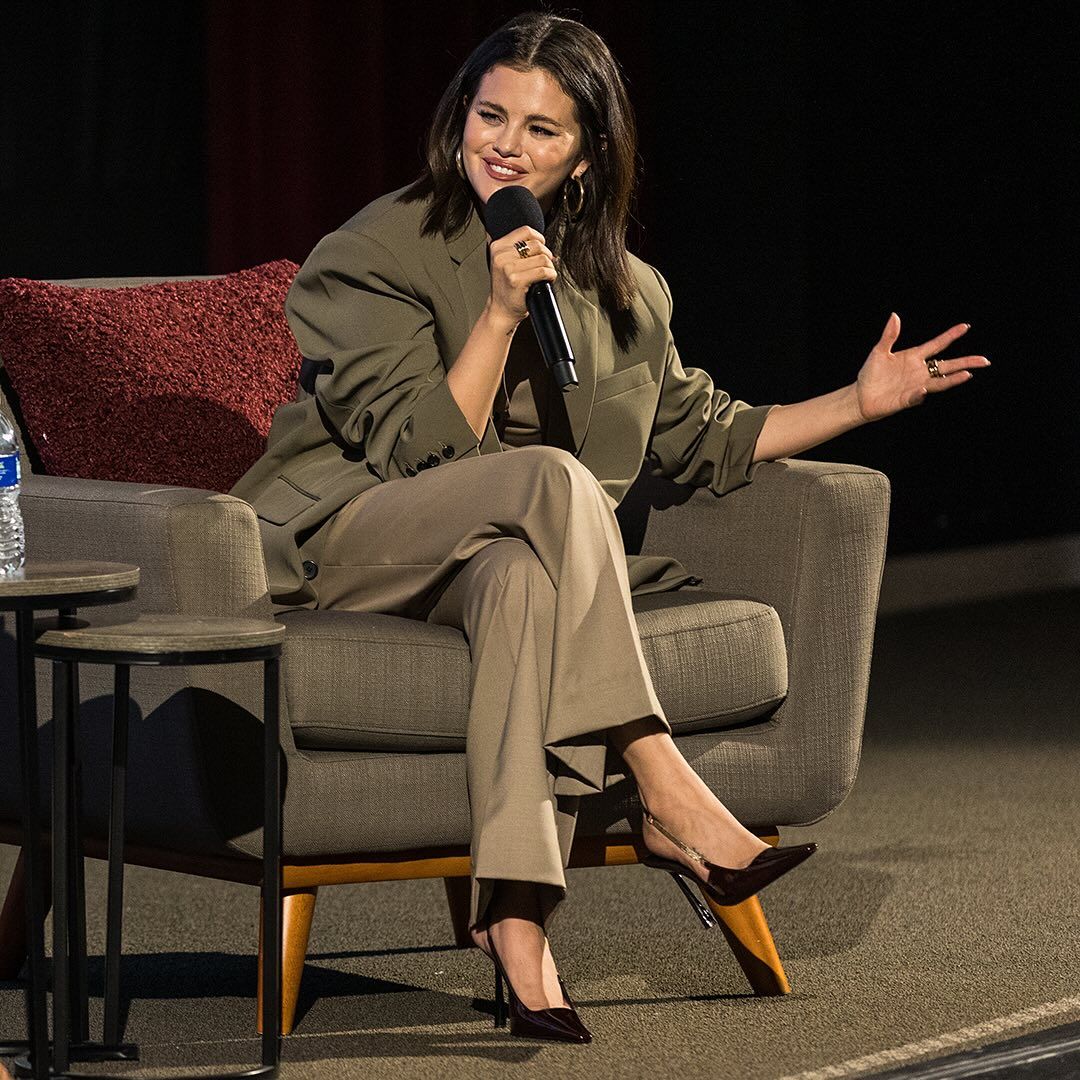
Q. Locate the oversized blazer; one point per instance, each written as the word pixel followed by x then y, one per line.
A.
pixel 380 312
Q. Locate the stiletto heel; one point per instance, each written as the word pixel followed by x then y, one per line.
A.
pixel 560 1025
pixel 725 884
pixel 500 1001
pixel 708 920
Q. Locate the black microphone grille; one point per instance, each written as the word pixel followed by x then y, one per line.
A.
pixel 511 207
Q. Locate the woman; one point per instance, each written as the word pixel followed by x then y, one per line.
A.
pixel 410 318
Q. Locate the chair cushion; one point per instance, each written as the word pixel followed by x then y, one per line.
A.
pixel 197 365
pixel 715 662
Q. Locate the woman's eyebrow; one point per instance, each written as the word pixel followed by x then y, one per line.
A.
pixel 534 116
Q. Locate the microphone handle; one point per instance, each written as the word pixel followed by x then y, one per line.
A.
pixel 551 334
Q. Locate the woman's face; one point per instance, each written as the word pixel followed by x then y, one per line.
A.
pixel 522 129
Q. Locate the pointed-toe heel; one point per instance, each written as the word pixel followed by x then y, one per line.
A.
pixel 559 1025
pixel 725 885
pixel 572 1017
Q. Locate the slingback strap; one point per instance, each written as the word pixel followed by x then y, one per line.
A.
pixel 686 849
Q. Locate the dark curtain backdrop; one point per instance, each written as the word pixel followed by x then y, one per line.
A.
pixel 807 168
pixel 102 155
pixel 318 107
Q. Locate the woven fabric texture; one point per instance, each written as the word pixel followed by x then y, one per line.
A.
pixel 808 539
pixel 713 663
pixel 110 382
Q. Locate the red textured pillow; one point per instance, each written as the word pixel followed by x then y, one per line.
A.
pixel 171 383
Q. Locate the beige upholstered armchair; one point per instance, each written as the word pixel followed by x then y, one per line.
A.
pixel 762 671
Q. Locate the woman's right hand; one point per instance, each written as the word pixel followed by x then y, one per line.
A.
pixel 511 275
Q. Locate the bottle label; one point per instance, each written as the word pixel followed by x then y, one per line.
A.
pixel 9 470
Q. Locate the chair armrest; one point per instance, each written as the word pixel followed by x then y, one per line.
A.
pixel 199 552
pixel 195 745
pixel 807 538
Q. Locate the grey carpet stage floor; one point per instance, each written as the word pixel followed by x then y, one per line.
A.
pixel 941 912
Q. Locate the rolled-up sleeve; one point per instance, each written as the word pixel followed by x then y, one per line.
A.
pixel 701 436
pixel 382 383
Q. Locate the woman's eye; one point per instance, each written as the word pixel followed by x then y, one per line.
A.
pixel 495 118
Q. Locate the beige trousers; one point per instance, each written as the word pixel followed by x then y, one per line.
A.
pixel 522 552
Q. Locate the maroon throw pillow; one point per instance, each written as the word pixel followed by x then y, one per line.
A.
pixel 170 383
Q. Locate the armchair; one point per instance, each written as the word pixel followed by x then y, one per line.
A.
pixel 763 673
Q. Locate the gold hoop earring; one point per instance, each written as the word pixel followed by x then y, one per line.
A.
pixel 460 165
pixel 573 212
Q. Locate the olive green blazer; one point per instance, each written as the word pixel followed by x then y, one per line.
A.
pixel 384 311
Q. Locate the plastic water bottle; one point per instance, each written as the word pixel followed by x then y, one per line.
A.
pixel 12 539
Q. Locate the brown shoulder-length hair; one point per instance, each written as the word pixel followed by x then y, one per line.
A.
pixel 592 247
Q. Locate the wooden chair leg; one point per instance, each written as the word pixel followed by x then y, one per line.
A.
pixel 748 934
pixel 459 899
pixel 13 917
pixel 298 908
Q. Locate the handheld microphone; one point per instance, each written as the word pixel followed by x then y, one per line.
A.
pixel 508 209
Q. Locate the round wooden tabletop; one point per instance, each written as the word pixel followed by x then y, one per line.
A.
pixel 151 634
pixel 46 579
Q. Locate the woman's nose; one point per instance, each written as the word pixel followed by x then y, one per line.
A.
pixel 509 145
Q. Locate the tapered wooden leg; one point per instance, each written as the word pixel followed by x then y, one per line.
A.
pixel 748 934
pixel 459 898
pixel 298 908
pixel 13 919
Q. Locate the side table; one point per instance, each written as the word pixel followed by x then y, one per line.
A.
pixel 63 587
pixel 163 640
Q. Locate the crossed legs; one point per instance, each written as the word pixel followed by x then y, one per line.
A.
pixel 521 551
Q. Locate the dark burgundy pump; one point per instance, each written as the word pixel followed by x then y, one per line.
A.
pixel 560 1025
pixel 726 885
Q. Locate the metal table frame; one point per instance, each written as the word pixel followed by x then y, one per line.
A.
pixel 24 608
pixel 65 702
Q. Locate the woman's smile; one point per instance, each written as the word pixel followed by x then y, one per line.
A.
pixel 501 170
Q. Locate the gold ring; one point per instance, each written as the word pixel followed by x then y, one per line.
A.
pixel 522 247
pixel 932 364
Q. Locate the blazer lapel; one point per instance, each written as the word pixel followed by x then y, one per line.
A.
pixel 468 249
pixel 581 317
pixel 580 313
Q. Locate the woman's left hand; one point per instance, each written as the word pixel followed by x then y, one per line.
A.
pixel 890 381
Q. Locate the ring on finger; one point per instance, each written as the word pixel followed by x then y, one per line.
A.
pixel 522 248
pixel 932 365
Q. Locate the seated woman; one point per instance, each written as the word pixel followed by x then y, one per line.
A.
pixel 434 471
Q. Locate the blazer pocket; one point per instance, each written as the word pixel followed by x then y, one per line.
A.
pixel 629 379
pixel 281 501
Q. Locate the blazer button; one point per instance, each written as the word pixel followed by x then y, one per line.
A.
pixel 448 452
pixel 310 569
pixel 432 460
pixel 695 581
pixel 409 470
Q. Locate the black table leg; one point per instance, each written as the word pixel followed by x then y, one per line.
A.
pixel 271 884
pixel 63 723
pixel 37 1018
pixel 115 903
pixel 78 975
